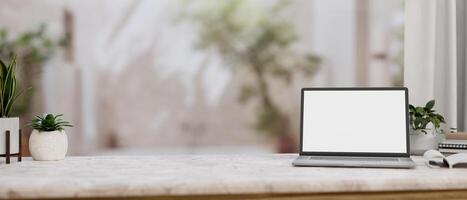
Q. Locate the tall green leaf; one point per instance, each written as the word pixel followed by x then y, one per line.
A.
pixel 430 104
pixel 8 86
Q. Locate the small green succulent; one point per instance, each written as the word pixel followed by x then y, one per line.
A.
pixel 49 123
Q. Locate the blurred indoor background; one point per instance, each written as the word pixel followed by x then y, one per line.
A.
pixel 193 77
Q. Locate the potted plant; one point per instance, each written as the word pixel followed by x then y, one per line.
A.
pixel 8 95
pixel 48 140
pixel 425 128
pixel 263 47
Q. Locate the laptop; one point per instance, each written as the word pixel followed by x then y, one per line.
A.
pixel 354 127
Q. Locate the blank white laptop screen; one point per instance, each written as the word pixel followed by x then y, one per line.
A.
pixel 358 121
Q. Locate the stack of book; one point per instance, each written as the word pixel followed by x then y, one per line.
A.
pixel 454 143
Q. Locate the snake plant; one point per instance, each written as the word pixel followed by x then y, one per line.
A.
pixel 8 87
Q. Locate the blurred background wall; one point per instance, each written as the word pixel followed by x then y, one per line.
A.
pixel 130 76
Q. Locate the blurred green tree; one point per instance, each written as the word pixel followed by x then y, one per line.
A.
pixel 259 40
pixel 32 49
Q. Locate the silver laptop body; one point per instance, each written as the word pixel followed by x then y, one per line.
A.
pixel 354 127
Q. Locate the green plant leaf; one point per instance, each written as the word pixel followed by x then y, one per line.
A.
pixel 8 85
pixel 430 104
pixel 441 118
pixel 420 110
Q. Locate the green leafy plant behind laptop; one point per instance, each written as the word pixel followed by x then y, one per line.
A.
pixel 422 117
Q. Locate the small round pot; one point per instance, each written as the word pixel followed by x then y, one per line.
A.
pixel 421 142
pixel 48 146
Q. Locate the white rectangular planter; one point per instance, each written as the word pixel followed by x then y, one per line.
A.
pixel 11 124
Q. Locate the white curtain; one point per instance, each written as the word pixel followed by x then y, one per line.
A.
pixel 433 57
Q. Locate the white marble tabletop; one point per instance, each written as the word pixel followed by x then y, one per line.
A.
pixel 112 176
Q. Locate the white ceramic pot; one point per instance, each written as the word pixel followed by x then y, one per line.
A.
pixel 421 142
pixel 51 145
pixel 11 124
